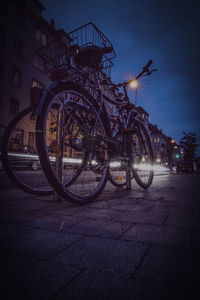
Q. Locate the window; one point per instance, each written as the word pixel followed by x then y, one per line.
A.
pixel 156 140
pixel 31 138
pixel 16 77
pixel 13 106
pixel 142 116
pixel 18 48
pixel 40 37
pixel 35 94
pixel 2 36
pixel 37 84
pixel 38 63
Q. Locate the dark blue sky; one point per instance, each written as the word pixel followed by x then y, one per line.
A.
pixel 168 32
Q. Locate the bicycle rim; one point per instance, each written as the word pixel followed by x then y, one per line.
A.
pixel 20 160
pixel 142 157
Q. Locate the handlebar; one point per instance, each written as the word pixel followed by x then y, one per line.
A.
pixel 145 69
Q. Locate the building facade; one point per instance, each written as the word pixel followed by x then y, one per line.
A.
pixel 23 30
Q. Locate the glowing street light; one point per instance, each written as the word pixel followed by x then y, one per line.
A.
pixel 133 83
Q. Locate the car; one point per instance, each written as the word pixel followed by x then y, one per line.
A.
pixel 23 160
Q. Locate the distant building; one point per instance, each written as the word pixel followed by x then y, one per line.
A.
pixel 165 149
pixel 143 115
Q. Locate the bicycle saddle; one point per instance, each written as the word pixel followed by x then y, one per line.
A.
pixel 91 56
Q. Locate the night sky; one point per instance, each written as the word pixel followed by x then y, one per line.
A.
pixel 168 32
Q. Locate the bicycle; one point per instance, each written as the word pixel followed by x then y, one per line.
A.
pixel 73 122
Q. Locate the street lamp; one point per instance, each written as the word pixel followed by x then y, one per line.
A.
pixel 133 83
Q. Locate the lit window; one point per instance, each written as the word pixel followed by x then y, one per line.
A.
pixel 13 106
pixel 38 84
pixel 16 77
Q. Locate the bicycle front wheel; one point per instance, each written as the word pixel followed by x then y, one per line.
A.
pixel 73 156
pixel 142 156
pixel 19 158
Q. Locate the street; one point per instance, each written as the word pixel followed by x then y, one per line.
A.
pixel 138 244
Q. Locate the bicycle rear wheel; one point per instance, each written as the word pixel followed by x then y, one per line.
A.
pixel 73 157
pixel 117 173
pixel 142 156
pixel 20 160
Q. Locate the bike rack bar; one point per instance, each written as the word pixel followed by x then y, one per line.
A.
pixel 128 177
pixel 59 156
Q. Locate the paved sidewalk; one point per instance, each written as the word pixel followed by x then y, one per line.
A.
pixel 135 244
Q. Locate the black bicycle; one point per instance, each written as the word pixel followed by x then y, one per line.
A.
pixel 80 145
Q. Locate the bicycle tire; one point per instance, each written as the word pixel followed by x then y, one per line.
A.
pixel 18 177
pixel 59 184
pixel 143 141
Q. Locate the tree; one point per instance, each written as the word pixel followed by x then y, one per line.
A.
pixel 188 144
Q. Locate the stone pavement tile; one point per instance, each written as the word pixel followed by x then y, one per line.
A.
pixel 11 194
pixel 127 201
pixel 103 254
pixel 175 266
pixel 39 243
pixel 158 234
pixel 131 207
pixel 185 203
pixel 97 213
pixel 196 239
pixel 159 203
pixel 161 196
pixel 10 230
pixel 163 209
pixel 100 228
pixel 23 278
pixel 109 284
pixel 69 211
pixel 183 219
pixel 141 217
pixel 20 215
pixel 54 222
pixel 28 203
